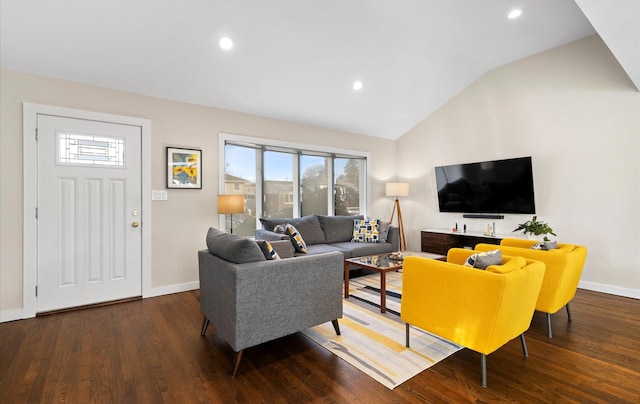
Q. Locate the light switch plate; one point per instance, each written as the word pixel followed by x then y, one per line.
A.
pixel 158 195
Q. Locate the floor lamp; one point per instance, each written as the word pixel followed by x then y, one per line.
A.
pixel 230 204
pixel 397 189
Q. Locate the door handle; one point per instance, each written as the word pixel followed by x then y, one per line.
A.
pixel 135 224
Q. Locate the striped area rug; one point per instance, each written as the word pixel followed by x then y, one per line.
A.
pixel 375 343
pixel 367 289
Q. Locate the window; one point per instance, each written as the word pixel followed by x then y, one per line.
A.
pixel 239 178
pixel 349 174
pixel 89 150
pixel 314 185
pixel 289 180
pixel 278 184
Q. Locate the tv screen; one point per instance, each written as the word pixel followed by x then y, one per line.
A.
pixel 499 186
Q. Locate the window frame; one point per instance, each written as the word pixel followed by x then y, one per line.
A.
pixel 262 144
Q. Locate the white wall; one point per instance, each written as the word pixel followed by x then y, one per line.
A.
pixel 572 109
pixel 577 114
pixel 179 225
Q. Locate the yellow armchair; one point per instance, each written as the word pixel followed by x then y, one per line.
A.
pixel 478 309
pixel 563 270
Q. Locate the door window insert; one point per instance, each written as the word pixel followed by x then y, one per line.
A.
pixel 81 149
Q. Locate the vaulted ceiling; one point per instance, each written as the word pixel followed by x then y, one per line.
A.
pixel 297 60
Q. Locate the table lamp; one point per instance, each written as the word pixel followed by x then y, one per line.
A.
pixel 230 204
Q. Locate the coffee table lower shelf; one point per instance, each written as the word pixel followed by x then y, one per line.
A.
pixel 382 264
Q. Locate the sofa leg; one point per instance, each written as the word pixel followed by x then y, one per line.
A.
pixel 237 364
pixel 205 324
pixel 549 334
pixel 336 326
pixel 406 337
pixel 568 312
pixel 483 363
pixel 524 346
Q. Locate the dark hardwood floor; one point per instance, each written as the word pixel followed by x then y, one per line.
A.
pixel 151 351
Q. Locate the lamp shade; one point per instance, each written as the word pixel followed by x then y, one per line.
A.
pixel 230 204
pixel 396 189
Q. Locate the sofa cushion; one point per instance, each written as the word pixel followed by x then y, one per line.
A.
pixel 361 249
pixel 326 248
pixel 267 250
pixel 337 229
pixel 232 248
pixel 296 239
pixel 284 248
pixel 308 227
pixel 508 266
pixel 366 231
pixel 483 260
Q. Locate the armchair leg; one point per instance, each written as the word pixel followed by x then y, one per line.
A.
pixel 568 311
pixel 336 326
pixel 549 334
pixel 483 363
pixel 205 324
pixel 237 364
pixel 406 335
pixel 524 346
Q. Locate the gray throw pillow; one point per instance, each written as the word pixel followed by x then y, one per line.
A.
pixel 383 229
pixel 232 248
pixel 546 245
pixel 337 229
pixel 308 227
pixel 483 260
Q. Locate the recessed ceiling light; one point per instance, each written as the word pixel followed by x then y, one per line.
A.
pixel 515 13
pixel 357 85
pixel 225 43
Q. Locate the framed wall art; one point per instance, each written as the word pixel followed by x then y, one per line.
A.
pixel 184 168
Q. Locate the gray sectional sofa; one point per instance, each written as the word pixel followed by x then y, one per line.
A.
pixel 324 234
pixel 251 299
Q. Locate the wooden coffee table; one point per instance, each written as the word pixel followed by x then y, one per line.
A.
pixel 383 264
pixel 379 263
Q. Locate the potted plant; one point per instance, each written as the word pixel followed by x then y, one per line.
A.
pixel 536 228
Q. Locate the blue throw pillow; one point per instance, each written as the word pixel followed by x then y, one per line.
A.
pixel 268 250
pixel 366 231
pixel 296 238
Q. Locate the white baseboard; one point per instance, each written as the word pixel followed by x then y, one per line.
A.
pixel 18 314
pixel 11 315
pixel 177 288
pixel 612 290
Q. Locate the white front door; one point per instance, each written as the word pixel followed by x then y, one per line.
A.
pixel 89 235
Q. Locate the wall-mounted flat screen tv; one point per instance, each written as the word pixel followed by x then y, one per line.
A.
pixel 498 186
